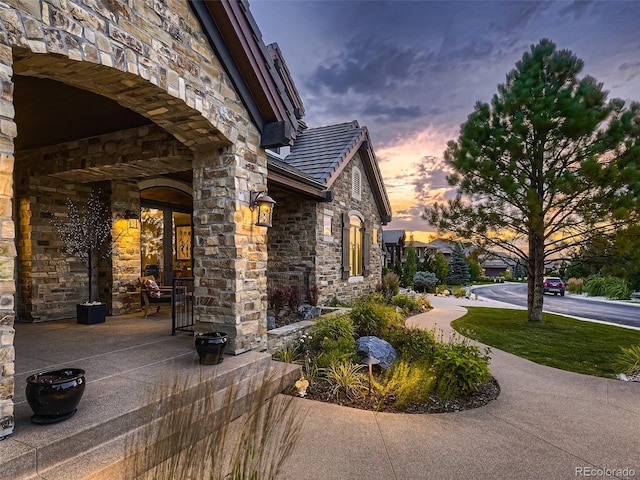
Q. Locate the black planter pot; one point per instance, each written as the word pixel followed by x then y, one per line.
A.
pixel 91 314
pixel 54 395
pixel 210 347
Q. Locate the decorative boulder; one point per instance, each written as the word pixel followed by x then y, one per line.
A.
pixel 309 312
pixel 377 348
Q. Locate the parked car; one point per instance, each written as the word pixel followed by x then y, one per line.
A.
pixel 553 285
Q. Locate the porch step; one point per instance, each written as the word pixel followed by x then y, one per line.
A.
pixel 91 445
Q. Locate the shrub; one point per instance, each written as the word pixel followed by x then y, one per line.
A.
pixel 373 297
pixel 389 287
pixel 575 285
pixel 374 319
pixel 459 369
pixel 343 350
pixel 610 287
pixel 460 292
pixel 412 344
pixel 334 327
pixel 294 298
pixel 617 288
pixel 628 362
pixel 346 380
pixel 407 303
pixel 595 286
pixel 407 383
pixel 279 298
pixel 425 281
pixel 291 353
pixel 314 295
pixel 335 302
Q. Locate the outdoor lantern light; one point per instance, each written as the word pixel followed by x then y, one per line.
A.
pixel 264 204
pixel 370 361
pixel 132 217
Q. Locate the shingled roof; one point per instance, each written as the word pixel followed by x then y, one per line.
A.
pixel 319 152
pixel 323 152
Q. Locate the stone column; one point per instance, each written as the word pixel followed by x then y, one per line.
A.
pixel 125 261
pixel 230 253
pixel 7 244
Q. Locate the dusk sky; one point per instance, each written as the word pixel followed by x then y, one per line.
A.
pixel 411 71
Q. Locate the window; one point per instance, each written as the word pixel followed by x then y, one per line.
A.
pixel 356 183
pixel 355 246
pixel 326 228
pixel 356 243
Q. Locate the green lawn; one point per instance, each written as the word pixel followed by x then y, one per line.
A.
pixel 558 341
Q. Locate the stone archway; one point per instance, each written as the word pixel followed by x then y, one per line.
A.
pixel 119 52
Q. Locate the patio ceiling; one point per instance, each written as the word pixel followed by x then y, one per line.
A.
pixel 50 112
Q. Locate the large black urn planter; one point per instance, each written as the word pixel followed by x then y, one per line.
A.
pixel 210 347
pixel 54 395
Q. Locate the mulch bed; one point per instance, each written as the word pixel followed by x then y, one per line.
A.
pixel 486 393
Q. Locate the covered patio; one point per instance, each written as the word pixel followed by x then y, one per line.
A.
pixel 124 359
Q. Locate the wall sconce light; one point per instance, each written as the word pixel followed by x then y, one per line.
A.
pixel 264 204
pixel 132 217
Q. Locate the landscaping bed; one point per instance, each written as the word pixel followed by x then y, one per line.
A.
pixel 486 393
pixel 368 358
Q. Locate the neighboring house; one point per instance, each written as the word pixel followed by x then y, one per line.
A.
pixel 393 241
pixel 446 248
pixel 331 206
pixel 494 264
pixel 420 247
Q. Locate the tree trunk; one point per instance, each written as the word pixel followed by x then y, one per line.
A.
pixel 535 272
pixel 90 272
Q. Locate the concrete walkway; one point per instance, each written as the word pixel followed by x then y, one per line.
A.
pixel 546 424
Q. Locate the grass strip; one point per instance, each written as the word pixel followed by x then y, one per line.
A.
pixel 557 341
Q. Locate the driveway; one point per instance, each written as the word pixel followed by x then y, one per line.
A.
pixel 546 424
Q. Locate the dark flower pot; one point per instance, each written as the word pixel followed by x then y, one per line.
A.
pixel 210 347
pixel 54 395
pixel 91 314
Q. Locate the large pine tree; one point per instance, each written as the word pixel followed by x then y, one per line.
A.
pixel 546 164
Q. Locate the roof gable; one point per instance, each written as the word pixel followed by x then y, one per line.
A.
pixel 324 152
pixel 319 152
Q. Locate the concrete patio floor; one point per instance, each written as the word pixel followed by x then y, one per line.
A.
pixel 124 358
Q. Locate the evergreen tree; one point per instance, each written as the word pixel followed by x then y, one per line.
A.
pixel 410 266
pixel 458 267
pixel 543 167
pixel 440 267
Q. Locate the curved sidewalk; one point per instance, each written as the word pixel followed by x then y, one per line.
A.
pixel 546 424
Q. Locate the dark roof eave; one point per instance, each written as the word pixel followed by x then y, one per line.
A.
pixel 375 178
pixel 227 23
pixel 286 178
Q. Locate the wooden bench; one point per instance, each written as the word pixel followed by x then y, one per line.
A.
pixel 148 300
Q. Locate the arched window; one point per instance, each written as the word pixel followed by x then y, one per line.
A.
pixel 356 242
pixel 355 246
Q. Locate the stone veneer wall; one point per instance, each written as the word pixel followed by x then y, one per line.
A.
pixel 328 275
pixel 297 243
pixel 292 239
pixel 152 57
pixel 50 283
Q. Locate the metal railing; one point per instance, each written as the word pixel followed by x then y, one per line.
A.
pixel 182 301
